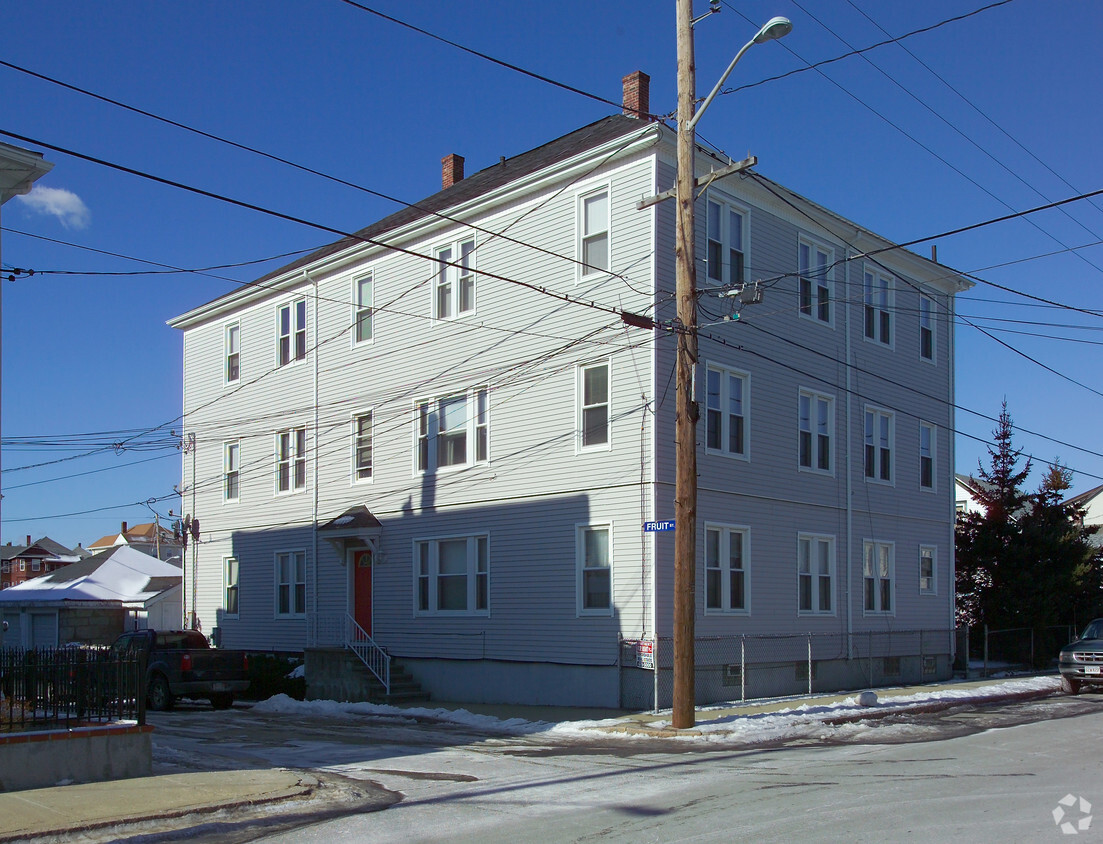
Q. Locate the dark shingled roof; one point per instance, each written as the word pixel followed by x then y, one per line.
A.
pixel 476 185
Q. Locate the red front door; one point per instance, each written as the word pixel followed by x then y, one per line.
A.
pixel 361 588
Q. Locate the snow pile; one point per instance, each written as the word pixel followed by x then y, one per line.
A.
pixel 753 722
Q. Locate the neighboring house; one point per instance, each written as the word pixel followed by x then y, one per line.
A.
pixel 451 436
pixel 19 563
pixel 966 499
pixel 93 601
pixel 1091 502
pixel 149 538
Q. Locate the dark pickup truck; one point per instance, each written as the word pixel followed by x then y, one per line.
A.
pixel 181 663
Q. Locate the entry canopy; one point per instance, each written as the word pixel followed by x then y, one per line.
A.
pixel 355 528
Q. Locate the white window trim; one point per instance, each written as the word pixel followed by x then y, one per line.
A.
pixel 877 544
pixel 725 583
pixel 293 305
pixel 813 539
pixel 580 558
pixel 226 471
pixel 829 281
pixel 868 297
pixel 584 273
pixel 744 212
pixel 452 273
pixel 725 434
pixel 294 610
pixel 434 575
pixel 227 327
pixel 933 589
pixel 354 456
pixel 237 585
pixel 292 459
pixel 924 296
pixel 934 456
pixel 813 397
pixel 473 424
pixel 893 454
pixel 580 392
pixel 358 307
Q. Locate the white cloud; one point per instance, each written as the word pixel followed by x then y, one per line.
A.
pixel 58 202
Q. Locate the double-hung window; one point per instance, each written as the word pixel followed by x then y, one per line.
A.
pixel 291 322
pixel 594 555
pixel 815 574
pixel 877 294
pixel 879 435
pixel 291 583
pixel 926 327
pixel 362 290
pixel 291 460
pixel 454 285
pixel 593 406
pixel 926 455
pixel 726 576
pixel 453 431
pixel 726 411
pixel 817 426
pixel 593 232
pixel 725 244
pixel 362 446
pixel 878 572
pixel 927 556
pixel 231 471
pixel 815 283
pixel 233 352
pixel 230 585
pixel 452 576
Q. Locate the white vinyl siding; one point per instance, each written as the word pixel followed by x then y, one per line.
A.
pixel 726 408
pixel 726 569
pixel 593 232
pixel 452 576
pixel 815 280
pixel 815 574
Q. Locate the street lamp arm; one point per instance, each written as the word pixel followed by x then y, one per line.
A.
pixel 775 28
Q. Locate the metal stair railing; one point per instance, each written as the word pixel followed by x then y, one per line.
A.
pixel 372 655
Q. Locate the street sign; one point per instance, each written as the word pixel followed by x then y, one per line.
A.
pixel 653 527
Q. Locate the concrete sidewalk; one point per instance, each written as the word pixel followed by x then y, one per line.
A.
pixel 44 812
pixel 53 812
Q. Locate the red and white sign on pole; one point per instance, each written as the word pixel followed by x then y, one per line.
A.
pixel 645 654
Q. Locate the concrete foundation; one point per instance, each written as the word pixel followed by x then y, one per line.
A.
pixel 85 754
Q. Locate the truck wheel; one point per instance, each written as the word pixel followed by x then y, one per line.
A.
pixel 159 697
pixel 1070 686
pixel 223 700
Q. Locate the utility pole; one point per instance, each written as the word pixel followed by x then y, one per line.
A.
pixel 686 412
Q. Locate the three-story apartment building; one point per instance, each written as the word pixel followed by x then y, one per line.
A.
pixel 443 428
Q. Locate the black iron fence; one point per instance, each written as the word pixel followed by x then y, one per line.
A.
pixel 55 688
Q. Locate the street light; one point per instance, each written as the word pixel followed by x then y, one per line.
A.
pixel 686 411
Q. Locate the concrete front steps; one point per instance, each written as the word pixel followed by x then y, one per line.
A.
pixel 338 674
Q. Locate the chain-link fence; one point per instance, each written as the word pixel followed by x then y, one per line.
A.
pixel 746 667
pixel 982 652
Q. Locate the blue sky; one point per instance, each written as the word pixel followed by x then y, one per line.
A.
pixel 1011 121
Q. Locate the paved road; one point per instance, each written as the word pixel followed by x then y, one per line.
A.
pixel 972 774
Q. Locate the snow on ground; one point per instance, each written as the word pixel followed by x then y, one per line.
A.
pixel 755 721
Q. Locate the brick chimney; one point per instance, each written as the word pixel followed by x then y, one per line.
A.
pixel 28 539
pixel 451 170
pixel 637 95
pixel 123 531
